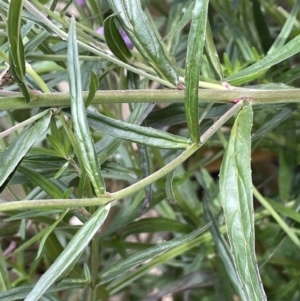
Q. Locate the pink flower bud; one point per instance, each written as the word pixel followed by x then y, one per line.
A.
pixel 81 3
pixel 123 34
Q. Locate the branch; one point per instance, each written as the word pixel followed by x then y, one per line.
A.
pixel 13 100
pixel 109 197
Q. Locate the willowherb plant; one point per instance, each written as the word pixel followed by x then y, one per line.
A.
pixel 138 182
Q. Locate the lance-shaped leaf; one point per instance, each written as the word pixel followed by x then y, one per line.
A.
pixel 255 70
pixel 212 51
pixel 93 87
pixel 5 282
pixel 20 292
pixel 135 133
pixel 237 199
pixel 169 184
pixel 187 8
pixel 28 16
pixel 223 250
pixel 81 128
pixel 138 28
pixel 273 122
pixel 194 55
pixel 261 25
pixel 41 181
pixel 146 171
pixel 11 157
pixel 70 254
pixel 286 29
pixel 16 47
pixel 115 41
pixel 123 266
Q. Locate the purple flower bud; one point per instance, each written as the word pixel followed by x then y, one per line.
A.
pixel 123 34
pixel 126 39
pixel 81 2
pixel 100 30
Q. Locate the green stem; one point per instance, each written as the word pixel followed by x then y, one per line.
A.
pixel 94 267
pixel 15 100
pixel 37 79
pixel 55 203
pixel 94 264
pixel 277 217
pixel 109 197
pixel 58 57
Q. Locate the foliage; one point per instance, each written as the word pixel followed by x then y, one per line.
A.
pixel 170 167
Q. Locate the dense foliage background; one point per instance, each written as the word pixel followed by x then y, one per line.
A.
pixel 134 135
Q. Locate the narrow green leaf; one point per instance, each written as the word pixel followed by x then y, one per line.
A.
pixel 94 83
pixel 287 163
pixel 180 195
pixel 31 214
pixel 273 122
pixel 112 167
pixel 138 28
pixel 187 16
pixel 24 123
pixel 20 292
pixel 175 114
pixel 134 260
pixel 81 129
pixel 288 212
pixel 169 184
pixel 193 61
pixel 255 70
pixel 184 283
pixel 169 187
pixel 16 47
pixel 48 232
pixel 212 51
pixel 135 133
pixel 65 261
pixel 210 187
pixel 128 213
pixel 108 145
pixel 11 157
pixel 146 171
pixel 68 192
pixel 56 144
pixel 155 224
pixel 5 283
pixel 35 41
pixel 26 245
pixel 237 199
pixel 114 40
pixel 223 250
pixel 61 171
pixel 261 25
pixel 160 259
pixel 53 250
pixel 286 29
pixel 238 36
pixel 50 188
pixel 54 130
pixel 285 227
pixel 28 16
